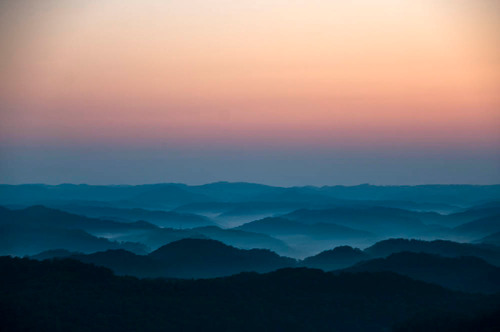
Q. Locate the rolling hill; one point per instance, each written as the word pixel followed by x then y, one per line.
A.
pixel 467 274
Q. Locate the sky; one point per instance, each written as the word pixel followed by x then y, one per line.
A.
pixel 277 92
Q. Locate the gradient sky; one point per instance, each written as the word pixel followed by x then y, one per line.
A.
pixel 275 91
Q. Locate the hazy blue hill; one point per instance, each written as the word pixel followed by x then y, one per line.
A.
pixel 236 213
pixel 205 207
pixel 85 297
pixel 259 208
pixel 232 191
pixel 160 218
pixel 244 239
pixel 39 192
pixel 54 253
pixel 466 195
pixel 198 258
pixel 492 239
pixel 25 239
pixel 283 227
pixel 379 220
pixel 296 195
pixel 337 258
pixel 447 194
pixel 158 237
pixel 486 321
pixel 468 274
pixel 437 247
pixel 167 196
pixel 475 213
pixel 480 227
pixel 491 204
pixel 41 216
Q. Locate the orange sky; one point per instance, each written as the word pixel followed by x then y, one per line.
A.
pixel 359 73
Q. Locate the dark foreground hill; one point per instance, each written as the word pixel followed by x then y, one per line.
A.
pixel 66 295
pixel 491 254
pixel 468 274
pixel 198 258
pixel 337 258
pixel 186 258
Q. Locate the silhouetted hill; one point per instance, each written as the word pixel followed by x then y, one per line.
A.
pixel 205 207
pixel 189 258
pixel 85 297
pixel 123 262
pixel 186 258
pixel 259 208
pixel 438 247
pixel 282 226
pixel 296 195
pixel 20 240
pixel 337 258
pixel 468 274
pixel 487 321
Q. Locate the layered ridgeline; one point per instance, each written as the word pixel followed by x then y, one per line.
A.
pixel 452 265
pixel 187 258
pixel 71 295
pixel 468 274
pixel 424 197
pixel 34 229
pixel 299 234
pixel 37 228
pixel 426 212
pixel 361 258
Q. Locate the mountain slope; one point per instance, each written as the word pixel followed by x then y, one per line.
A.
pixel 379 220
pixel 28 240
pixel 283 227
pixel 285 300
pixel 244 239
pixel 337 258
pixel 41 216
pixel 157 217
pixel 209 258
pixel 480 227
pixel 437 247
pixel 468 274
pixel 492 239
